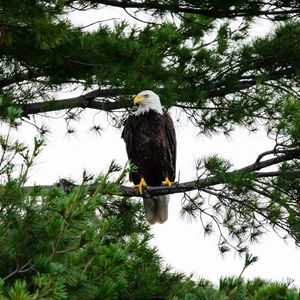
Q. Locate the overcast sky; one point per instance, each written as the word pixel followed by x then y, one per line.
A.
pixel 180 241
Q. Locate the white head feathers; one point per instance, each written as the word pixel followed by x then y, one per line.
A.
pixel 147 100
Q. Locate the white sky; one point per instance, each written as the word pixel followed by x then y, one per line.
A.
pixel 180 243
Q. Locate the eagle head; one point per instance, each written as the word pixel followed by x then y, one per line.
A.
pixel 147 100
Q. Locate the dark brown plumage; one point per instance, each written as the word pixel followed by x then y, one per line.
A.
pixel 151 146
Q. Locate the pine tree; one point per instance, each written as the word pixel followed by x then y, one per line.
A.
pixel 91 240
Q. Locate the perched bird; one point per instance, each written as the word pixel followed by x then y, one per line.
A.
pixel 150 140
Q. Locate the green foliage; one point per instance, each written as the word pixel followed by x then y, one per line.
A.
pixel 89 244
pixel 216 165
pixel 8 111
pixel 290 123
pixel 57 245
pixel 225 75
pixel 239 205
pixel 85 243
pixel 77 244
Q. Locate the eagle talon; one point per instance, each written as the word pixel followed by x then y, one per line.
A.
pixel 141 185
pixel 167 182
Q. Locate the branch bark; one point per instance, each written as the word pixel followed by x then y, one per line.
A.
pixel 88 100
pixel 215 180
pixel 209 12
pixel 19 77
pixel 84 101
pixel 203 183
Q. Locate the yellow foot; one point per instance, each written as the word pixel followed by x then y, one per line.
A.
pixel 167 182
pixel 141 185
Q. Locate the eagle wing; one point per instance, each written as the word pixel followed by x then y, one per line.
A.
pixel 171 138
pixel 127 136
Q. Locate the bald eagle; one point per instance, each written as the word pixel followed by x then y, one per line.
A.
pixel 150 140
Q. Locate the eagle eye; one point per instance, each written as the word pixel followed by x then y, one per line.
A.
pixel 146 95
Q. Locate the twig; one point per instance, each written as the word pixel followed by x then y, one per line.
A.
pixel 23 269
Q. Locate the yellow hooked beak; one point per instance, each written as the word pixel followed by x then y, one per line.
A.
pixel 138 99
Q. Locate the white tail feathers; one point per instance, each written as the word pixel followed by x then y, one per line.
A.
pixel 156 209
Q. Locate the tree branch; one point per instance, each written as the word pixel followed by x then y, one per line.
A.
pixel 203 183
pixel 85 101
pixel 88 100
pixel 19 77
pixel 210 12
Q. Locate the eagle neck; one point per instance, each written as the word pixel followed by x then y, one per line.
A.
pixel 144 109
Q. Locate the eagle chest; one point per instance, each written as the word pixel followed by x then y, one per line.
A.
pixel 149 139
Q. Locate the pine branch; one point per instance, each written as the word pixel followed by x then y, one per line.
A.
pixel 84 101
pixel 203 183
pixel 211 12
pixel 19 77
pixel 88 100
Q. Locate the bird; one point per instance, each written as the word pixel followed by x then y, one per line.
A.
pixel 150 139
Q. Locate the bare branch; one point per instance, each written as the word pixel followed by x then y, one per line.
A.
pixel 209 181
pixel 84 101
